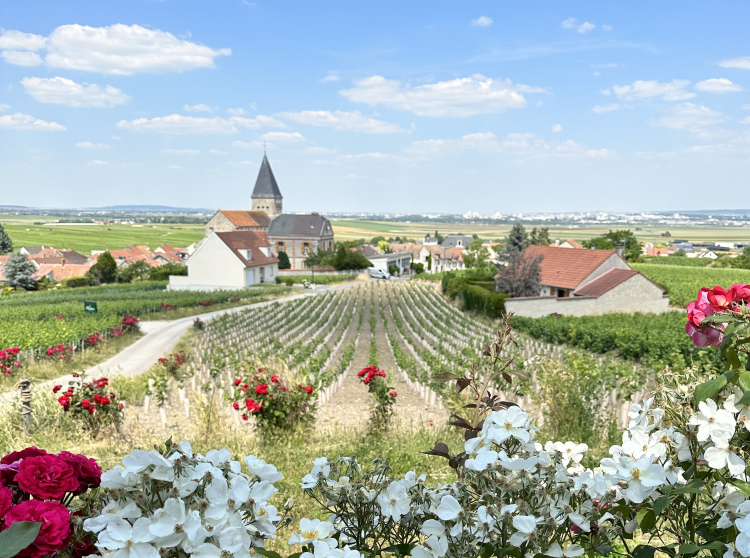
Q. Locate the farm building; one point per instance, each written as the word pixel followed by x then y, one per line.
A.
pixel 586 282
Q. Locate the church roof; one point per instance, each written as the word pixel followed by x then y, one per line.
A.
pixel 265 185
pixel 257 219
pixel 300 225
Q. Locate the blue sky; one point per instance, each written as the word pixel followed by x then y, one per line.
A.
pixel 377 106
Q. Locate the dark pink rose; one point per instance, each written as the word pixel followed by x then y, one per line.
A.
pixel 719 299
pixel 702 337
pixel 6 500
pixel 55 532
pixel 697 311
pixel 46 477
pixel 741 292
pixel 88 471
pixel 84 547
pixel 9 464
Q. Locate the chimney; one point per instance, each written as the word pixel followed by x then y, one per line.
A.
pixel 557 242
pixel 63 263
pixel 618 248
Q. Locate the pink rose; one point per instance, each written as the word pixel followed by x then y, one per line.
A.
pixel 6 500
pixel 697 311
pixel 719 299
pixel 741 292
pixel 88 471
pixel 55 532
pixel 9 464
pixel 46 477
pixel 702 337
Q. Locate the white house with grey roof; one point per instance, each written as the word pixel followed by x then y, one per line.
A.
pixel 299 236
pixel 457 241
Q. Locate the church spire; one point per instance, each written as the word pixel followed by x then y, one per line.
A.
pixel 265 185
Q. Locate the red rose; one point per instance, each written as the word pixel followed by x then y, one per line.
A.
pixel 91 410
pixel 84 547
pixel 10 463
pixel 55 532
pixel 741 292
pixel 56 389
pixel 719 299
pixel 85 403
pixel 261 389
pixel 308 389
pixel 46 477
pixel 105 400
pixel 236 406
pixel 88 471
pixel 97 398
pixel 393 393
pixel 275 379
pixel 6 500
pixel 237 382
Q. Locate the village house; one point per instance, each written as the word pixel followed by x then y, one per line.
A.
pixel 228 221
pixel 585 282
pixel 299 236
pixel 227 261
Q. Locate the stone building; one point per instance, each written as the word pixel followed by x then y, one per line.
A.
pixel 266 195
pixel 229 221
pixel 299 235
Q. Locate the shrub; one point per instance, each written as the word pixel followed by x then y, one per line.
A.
pixel 9 360
pixel 60 352
pixel 74 282
pixel 476 292
pixel 91 403
pixel 163 272
pixel 418 268
pixel 393 270
pixel 383 394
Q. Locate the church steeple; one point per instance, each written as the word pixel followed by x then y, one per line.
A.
pixel 266 195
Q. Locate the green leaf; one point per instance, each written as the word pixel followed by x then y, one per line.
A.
pixel 604 549
pixel 644 551
pixel 487 551
pixel 403 549
pixel 745 399
pixel 733 360
pixel 717 318
pixel 744 381
pixel 709 389
pixel 508 551
pixel 661 504
pixel 742 485
pixel 17 537
pixel 648 521
pixel 695 486
pixel 688 548
pixel 267 553
pixel 714 545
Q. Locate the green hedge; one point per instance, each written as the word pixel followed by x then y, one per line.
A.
pixel 476 294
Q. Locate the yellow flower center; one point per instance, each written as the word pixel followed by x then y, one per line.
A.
pixel 310 534
pixel 508 425
pixel 636 473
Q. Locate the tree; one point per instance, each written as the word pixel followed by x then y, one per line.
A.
pixel 350 259
pixel 521 277
pixel 384 247
pixel 516 242
pixel 476 255
pixel 284 260
pixel 418 268
pixel 429 262
pixel 539 237
pixel 319 258
pixel 139 269
pixel 439 237
pixel 18 271
pixel 6 244
pixel 104 270
pixel 680 252
pixel 377 239
pixel 632 248
pixel 163 272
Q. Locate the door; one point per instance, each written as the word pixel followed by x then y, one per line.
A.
pixel 249 277
pixel 262 274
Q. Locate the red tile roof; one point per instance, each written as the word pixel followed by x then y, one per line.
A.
pixel 257 219
pixel 606 282
pixel 248 240
pixel 566 268
pixel 574 244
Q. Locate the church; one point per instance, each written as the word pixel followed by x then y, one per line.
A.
pixel 297 235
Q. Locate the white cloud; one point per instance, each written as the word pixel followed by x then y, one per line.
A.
pixel 197 108
pixel 670 91
pixel 179 124
pixel 745 120
pixel 569 23
pixel 97 163
pixel 20 121
pixel 340 120
pixel 318 149
pixel 482 21
pixel 255 144
pixel 330 77
pixel 21 58
pixel 63 91
pixel 598 153
pixel 606 27
pixel 459 97
pixel 217 152
pixel 236 111
pixel 180 151
pixel 688 116
pixel 557 128
pixel 717 85
pixel 741 63
pixel 609 65
pixel 4 107
pixel 746 107
pixel 585 27
pixel 178 167
pixel 118 49
pixel 373 155
pixel 606 108
pixel 283 137
pixel 89 145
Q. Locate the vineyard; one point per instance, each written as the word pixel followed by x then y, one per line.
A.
pixel 40 320
pixel 682 285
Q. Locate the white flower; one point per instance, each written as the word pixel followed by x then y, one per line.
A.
pixel 223 498
pixel 571 552
pixel 119 477
pixel 509 423
pixel 484 519
pixel 720 455
pixel 742 542
pixel 483 460
pixel 233 541
pixel 448 509
pixel 520 464
pixel 712 422
pixel 394 501
pixel 264 471
pixel 642 476
pixel 571 451
pixel 526 524
pixel 112 511
pixel 172 523
pixel 310 530
pixel 432 527
pixel 321 549
pixel 126 541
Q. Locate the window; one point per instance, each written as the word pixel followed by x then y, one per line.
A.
pixel 306 248
pixel 280 247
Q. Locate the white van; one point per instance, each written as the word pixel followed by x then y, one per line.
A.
pixel 376 273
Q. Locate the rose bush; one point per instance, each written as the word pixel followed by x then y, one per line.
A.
pixel 9 362
pixel 384 396
pixel 90 402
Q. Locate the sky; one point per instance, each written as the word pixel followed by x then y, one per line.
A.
pixel 388 106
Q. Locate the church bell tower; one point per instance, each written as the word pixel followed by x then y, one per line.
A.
pixel 266 195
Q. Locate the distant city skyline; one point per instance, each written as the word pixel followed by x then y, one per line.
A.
pixel 378 108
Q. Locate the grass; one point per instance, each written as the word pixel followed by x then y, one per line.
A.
pixel 42 370
pixel 320 279
pixel 682 284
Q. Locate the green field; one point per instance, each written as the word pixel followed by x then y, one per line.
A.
pixel 682 284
